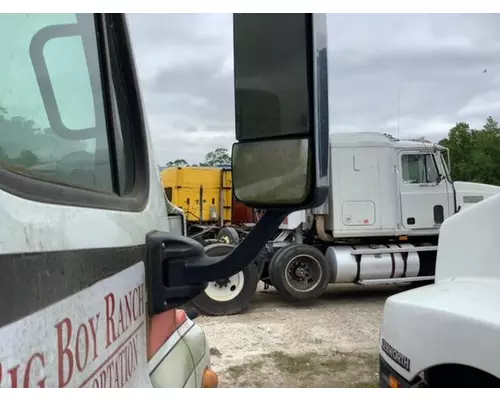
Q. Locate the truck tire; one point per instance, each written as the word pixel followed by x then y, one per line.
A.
pixel 228 235
pixel 459 376
pixel 230 296
pixel 299 272
pixel 415 285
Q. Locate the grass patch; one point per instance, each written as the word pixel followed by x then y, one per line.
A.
pixel 294 364
pixel 238 371
pixel 214 351
pixel 279 369
pixel 243 375
pixel 364 385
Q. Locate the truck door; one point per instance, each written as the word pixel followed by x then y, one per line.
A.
pixel 424 192
pixel 78 194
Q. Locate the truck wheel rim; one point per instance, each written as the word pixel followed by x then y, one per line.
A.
pixel 226 239
pixel 303 273
pixel 226 290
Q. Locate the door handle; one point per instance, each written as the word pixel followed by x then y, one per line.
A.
pixel 354 164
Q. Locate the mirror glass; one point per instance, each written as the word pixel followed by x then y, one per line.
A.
pixel 272 70
pixel 47 64
pixel 272 172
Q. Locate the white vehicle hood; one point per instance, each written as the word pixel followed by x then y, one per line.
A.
pixel 455 322
pixel 469 193
pixel 457 319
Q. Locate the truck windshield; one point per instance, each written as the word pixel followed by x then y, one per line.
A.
pixel 49 72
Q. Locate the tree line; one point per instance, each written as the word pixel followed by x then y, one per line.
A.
pixel 219 156
pixel 474 153
pixel 24 143
pixel 19 137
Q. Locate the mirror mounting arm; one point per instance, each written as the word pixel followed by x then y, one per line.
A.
pixel 178 269
pixel 206 269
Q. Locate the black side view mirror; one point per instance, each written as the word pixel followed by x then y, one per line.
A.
pixel 280 162
pixel 281 98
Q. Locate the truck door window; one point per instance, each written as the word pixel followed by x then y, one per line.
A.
pixel 419 169
pixel 29 143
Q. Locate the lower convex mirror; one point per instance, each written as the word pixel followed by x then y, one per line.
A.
pixel 273 172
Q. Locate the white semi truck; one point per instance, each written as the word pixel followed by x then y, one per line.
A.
pixel 387 201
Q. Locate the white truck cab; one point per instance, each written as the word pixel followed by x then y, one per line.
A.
pixel 93 257
pixel 76 204
pixel 446 334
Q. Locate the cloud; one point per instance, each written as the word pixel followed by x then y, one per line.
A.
pixel 435 62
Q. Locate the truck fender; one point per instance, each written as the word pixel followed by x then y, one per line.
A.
pixel 451 322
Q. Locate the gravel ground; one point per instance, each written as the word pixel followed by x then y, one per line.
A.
pixel 331 342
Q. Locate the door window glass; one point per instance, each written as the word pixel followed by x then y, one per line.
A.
pixel 419 168
pixel 52 120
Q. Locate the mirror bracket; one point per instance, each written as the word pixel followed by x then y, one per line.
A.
pixel 177 268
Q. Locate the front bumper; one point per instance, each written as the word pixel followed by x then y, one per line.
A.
pixel 389 378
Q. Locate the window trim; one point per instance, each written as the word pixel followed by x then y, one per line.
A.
pixel 436 166
pixel 108 27
pixel 445 165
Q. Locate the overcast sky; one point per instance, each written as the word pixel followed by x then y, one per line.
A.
pixel 436 62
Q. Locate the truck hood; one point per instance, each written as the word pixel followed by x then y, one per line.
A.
pixel 417 324
pixel 468 242
pixel 469 193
